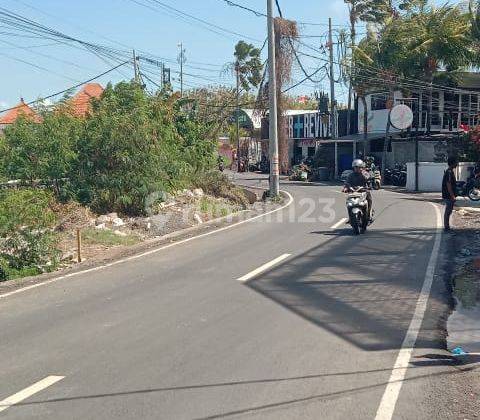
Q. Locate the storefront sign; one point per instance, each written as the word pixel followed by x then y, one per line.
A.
pixel 308 126
pixel 308 143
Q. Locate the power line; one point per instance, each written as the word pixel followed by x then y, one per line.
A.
pixel 29 49
pixel 19 22
pixel 186 16
pixel 261 14
pixel 36 66
pixel 290 41
pixel 70 88
pixel 305 79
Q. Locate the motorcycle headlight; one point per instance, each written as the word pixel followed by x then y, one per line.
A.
pixel 353 202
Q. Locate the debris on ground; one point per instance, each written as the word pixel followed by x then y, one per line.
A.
pixel 174 212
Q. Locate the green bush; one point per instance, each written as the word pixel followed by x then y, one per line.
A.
pixel 27 239
pixel 217 184
pixel 41 152
pixel 129 150
pixel 131 145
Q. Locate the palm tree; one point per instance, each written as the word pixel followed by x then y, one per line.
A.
pixel 373 11
pixel 248 71
pixel 424 43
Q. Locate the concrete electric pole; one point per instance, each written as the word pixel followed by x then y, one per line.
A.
pixel 237 113
pixel 332 81
pixel 181 60
pixel 135 68
pixel 272 95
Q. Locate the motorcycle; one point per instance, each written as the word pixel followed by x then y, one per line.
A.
pixel 265 166
pixel 396 176
pixel 471 187
pixel 374 179
pixel 377 180
pixel 357 207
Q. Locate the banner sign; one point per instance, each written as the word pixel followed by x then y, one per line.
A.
pixel 313 125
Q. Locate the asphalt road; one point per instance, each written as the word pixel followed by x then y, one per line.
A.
pixel 176 335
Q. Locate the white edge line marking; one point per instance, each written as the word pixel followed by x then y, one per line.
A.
pixel 144 254
pixel 390 396
pixel 263 268
pixel 28 392
pixel 339 223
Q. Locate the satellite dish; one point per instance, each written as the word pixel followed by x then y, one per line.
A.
pixel 401 117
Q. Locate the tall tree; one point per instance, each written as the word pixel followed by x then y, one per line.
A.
pixel 248 64
pixel 424 43
pixel 374 11
pixel 248 72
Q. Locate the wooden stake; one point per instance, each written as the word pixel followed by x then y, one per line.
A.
pixel 79 245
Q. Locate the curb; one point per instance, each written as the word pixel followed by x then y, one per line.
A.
pixel 137 251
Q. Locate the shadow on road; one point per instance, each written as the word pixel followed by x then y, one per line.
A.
pixel 278 404
pixel 363 289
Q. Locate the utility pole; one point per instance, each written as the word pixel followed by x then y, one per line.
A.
pixel 181 60
pixel 272 96
pixel 162 70
pixel 333 114
pixel 353 12
pixel 332 81
pixel 237 120
pixel 135 68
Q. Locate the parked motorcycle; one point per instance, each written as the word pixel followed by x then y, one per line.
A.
pixel 396 176
pixel 357 207
pixel 265 166
pixel 471 187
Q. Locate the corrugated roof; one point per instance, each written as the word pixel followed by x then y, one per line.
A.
pixel 468 80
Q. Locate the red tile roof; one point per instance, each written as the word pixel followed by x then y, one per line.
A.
pixel 81 101
pixel 21 109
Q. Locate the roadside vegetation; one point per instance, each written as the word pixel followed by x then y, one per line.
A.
pixel 131 146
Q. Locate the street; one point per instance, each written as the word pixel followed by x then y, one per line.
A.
pixel 288 316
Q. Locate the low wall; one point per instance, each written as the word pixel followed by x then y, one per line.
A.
pixel 430 175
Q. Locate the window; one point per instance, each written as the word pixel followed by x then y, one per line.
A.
pixel 311 151
pixel 450 101
pixel 465 101
pixel 379 101
pixel 474 102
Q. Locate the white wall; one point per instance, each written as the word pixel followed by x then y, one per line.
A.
pixel 377 120
pixel 430 175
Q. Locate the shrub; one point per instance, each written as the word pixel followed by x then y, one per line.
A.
pixel 27 240
pixel 129 151
pixel 218 185
pixel 35 151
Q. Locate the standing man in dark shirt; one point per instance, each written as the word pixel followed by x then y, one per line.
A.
pixel 449 191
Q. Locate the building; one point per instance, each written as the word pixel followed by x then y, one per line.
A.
pixel 9 117
pixel 305 129
pixel 453 111
pixel 81 101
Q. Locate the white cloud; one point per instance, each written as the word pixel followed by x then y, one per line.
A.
pixel 3 104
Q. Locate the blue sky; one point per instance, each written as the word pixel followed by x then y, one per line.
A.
pixel 125 24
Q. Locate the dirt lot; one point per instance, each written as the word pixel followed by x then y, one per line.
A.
pixel 456 395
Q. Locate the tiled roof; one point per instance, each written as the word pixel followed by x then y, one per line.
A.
pixel 81 101
pixel 21 109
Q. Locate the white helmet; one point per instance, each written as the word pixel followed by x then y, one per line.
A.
pixel 358 163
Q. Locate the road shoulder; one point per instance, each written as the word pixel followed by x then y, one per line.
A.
pixel 145 248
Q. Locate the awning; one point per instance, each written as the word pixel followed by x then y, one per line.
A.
pixel 360 137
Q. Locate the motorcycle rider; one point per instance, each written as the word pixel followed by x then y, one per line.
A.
pixel 358 179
